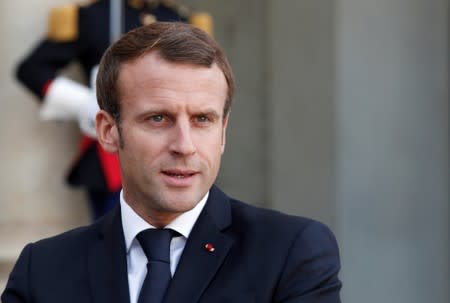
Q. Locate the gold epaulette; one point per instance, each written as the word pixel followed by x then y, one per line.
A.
pixel 203 21
pixel 63 23
pixel 137 4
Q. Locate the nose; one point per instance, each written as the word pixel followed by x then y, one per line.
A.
pixel 181 143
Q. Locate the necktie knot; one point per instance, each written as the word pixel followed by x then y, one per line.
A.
pixel 156 244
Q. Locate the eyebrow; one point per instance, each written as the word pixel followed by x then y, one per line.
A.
pixel 209 112
pixel 164 111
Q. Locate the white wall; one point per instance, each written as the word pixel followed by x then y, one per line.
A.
pixel 34 155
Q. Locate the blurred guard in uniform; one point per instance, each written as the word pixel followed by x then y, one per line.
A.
pixel 82 33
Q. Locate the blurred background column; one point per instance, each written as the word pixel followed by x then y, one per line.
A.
pixel 300 116
pixel 392 149
pixel 358 117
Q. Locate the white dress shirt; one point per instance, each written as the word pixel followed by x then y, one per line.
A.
pixel 133 224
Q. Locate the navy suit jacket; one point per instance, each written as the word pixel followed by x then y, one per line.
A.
pixel 260 256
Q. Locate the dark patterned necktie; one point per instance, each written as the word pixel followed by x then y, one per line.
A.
pixel 156 246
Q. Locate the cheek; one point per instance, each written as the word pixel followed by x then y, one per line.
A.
pixel 212 149
pixel 142 148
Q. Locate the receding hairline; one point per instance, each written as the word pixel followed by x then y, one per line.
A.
pixel 156 54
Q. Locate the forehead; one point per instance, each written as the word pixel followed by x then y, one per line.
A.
pixel 152 75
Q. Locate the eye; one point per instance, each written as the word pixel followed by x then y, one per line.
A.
pixel 157 118
pixel 202 119
pixel 205 119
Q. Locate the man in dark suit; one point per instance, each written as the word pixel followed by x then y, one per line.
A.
pixel 165 91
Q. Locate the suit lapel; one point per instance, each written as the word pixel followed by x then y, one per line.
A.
pixel 107 263
pixel 197 265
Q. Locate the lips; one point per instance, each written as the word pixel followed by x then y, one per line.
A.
pixel 179 177
pixel 178 173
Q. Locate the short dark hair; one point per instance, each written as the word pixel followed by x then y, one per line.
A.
pixel 174 42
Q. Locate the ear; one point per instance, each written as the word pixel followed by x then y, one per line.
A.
pixel 107 131
pixel 224 131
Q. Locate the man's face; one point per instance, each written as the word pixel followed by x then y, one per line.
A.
pixel 173 133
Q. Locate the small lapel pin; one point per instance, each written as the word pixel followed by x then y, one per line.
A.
pixel 209 247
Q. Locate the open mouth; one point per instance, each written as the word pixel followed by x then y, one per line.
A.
pixel 179 178
pixel 178 175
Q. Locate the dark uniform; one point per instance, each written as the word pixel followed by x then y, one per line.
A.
pixel 82 33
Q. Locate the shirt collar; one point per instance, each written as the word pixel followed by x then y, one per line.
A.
pixel 133 224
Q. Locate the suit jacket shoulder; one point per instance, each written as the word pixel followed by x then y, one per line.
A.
pixel 261 256
pixel 61 268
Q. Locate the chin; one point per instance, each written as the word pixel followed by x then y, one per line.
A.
pixel 182 202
